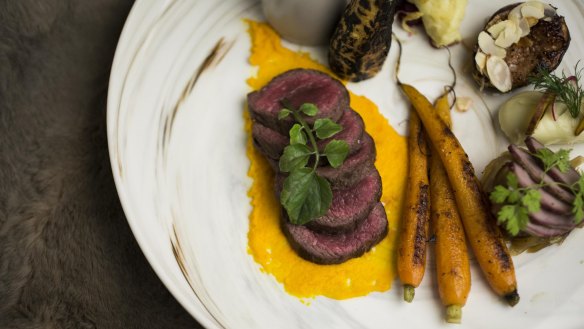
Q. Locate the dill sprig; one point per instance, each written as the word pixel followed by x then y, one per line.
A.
pixel 567 89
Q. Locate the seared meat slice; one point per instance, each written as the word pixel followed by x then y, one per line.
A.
pixel 349 207
pixel 298 86
pixel 322 248
pixel 354 168
pixel 271 143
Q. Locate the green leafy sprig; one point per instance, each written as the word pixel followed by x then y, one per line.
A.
pixel 305 195
pixel 567 89
pixel 519 202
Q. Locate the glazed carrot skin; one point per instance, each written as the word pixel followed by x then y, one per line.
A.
pixel 411 257
pixel 481 230
pixel 452 264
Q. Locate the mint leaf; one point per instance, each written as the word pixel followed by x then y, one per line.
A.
pixel 309 109
pixel 305 196
pixel 325 128
pixel 294 157
pixel 297 136
pixel 283 113
pixel 336 151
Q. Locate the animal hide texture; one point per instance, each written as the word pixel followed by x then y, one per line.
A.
pixel 67 256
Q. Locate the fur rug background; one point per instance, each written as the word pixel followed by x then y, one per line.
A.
pixel 67 256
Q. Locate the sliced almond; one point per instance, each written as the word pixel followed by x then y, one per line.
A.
pixel 463 104
pixel 524 27
pixel 515 14
pixel 481 61
pixel 531 10
pixel 509 36
pixel 531 21
pixel 488 46
pixel 496 29
pixel 499 73
pixel 532 3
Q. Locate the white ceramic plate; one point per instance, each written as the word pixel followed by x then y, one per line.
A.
pixel 177 149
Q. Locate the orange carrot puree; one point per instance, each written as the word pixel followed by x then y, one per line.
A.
pixel 373 271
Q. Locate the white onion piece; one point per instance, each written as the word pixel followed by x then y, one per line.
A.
pixel 516 112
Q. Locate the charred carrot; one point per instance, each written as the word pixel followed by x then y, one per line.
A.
pixel 481 230
pixel 411 257
pixel 452 264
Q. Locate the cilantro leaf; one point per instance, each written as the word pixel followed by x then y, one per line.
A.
pixel 578 206
pixel 500 194
pixel 514 217
pixel 325 128
pixel 518 203
pixel 559 159
pixel 531 200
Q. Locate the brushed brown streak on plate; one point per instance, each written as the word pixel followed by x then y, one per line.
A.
pixel 178 255
pixel 214 57
pixel 130 66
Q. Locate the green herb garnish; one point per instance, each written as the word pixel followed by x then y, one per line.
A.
pixel 560 159
pixel 578 206
pixel 519 202
pixel 566 89
pixel 305 195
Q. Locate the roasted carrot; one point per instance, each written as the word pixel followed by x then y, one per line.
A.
pixel 411 257
pixel 452 264
pixel 480 227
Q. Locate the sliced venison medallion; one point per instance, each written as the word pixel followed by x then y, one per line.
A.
pixel 355 167
pixel 349 207
pixel 271 143
pixel 298 86
pixel 323 248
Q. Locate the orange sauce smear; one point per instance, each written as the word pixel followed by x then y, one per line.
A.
pixel 375 270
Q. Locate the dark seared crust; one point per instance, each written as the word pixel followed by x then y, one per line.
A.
pixel 362 39
pixel 298 86
pixel 322 248
pixel 543 48
pixel 271 143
